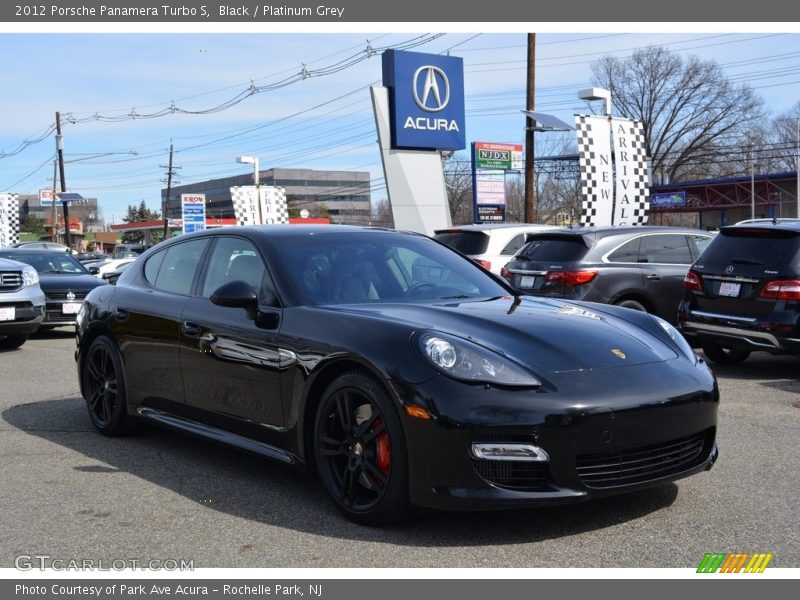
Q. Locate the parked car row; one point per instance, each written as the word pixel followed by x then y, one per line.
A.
pixel 731 293
pixel 39 289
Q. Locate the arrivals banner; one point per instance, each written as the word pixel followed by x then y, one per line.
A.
pixel 594 158
pixel 632 197
pixel 274 206
pixel 9 220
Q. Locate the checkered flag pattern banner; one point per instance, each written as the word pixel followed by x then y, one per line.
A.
pixel 594 159
pixel 274 207
pixel 632 198
pixel 9 219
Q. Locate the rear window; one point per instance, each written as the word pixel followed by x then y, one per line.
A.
pixel 554 249
pixel 773 248
pixel 466 242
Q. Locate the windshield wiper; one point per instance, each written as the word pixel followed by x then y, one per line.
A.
pixel 461 297
pixel 745 261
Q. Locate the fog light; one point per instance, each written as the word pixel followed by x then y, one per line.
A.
pixel 489 451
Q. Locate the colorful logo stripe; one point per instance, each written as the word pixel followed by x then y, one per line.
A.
pixel 734 563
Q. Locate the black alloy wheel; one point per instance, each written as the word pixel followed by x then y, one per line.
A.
pixel 360 451
pixel 724 355
pixel 104 387
pixel 632 304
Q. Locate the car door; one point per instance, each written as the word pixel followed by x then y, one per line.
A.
pixel 230 359
pixel 665 259
pixel 145 321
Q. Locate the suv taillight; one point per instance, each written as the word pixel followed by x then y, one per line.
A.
pixel 506 274
pixel 691 281
pixel 782 289
pixel 572 277
pixel 484 263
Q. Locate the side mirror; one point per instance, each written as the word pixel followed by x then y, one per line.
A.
pixel 236 294
pixel 94 270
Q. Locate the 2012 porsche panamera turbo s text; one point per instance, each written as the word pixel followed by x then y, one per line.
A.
pixel 399 371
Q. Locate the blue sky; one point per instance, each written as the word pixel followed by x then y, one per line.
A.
pixel 113 74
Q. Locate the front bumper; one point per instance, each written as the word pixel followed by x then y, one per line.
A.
pixel 606 432
pixel 28 304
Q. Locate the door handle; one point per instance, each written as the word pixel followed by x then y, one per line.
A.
pixel 190 329
pixel 120 314
pixel 653 277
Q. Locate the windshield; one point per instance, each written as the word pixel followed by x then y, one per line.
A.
pixel 553 249
pixel 373 267
pixel 48 262
pixel 777 249
pixel 466 242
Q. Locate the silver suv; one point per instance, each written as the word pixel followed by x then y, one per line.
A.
pixel 21 303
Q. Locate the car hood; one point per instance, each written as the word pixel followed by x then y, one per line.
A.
pixel 542 333
pixel 64 281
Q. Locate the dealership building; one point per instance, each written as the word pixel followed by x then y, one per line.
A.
pixel 344 196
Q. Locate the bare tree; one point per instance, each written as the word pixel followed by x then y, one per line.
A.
pixel 690 110
pixel 458 181
pixel 785 133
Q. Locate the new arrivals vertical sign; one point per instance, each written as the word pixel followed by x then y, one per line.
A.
pixel 594 158
pixel 632 198
pixel 9 219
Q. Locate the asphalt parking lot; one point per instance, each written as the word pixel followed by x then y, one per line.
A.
pixel 71 493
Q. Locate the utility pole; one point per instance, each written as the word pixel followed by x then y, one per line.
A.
pixel 64 203
pixel 170 173
pixel 531 204
pixel 54 230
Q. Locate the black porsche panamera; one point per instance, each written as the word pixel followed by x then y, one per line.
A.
pixel 396 369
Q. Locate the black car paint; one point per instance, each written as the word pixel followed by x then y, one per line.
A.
pixel 259 379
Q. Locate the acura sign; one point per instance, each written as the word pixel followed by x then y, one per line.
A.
pixel 426 99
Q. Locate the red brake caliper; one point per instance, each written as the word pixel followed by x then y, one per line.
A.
pixel 383 457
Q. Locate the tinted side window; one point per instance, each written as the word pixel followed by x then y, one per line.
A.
pixel 514 245
pixel 466 242
pixel 236 259
pixel 627 253
pixel 700 242
pixel 152 266
pixel 665 249
pixel 179 267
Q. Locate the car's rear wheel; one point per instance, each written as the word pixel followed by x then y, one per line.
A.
pixel 103 382
pixel 360 450
pixel 14 340
pixel 723 354
pixel 633 304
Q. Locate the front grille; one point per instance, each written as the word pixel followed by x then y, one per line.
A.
pixel 79 295
pixel 10 281
pixel 645 463
pixel 521 476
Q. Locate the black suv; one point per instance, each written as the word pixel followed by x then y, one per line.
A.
pixel 743 293
pixel 636 267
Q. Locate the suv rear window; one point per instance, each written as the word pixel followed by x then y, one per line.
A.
pixel 554 249
pixel 466 242
pixel 775 248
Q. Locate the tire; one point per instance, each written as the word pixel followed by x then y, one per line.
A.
pixel 723 355
pixel 103 384
pixel 360 452
pixel 14 340
pixel 633 304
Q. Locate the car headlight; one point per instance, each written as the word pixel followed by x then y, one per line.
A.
pixel 29 276
pixel 462 359
pixel 677 339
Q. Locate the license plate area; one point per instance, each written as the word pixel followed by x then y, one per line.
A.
pixel 527 281
pixel 731 290
pixel 8 313
pixel 70 308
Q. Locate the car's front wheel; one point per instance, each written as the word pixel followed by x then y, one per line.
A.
pixel 360 450
pixel 103 383
pixel 724 355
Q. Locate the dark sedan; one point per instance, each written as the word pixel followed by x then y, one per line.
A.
pixel 64 281
pixel 396 369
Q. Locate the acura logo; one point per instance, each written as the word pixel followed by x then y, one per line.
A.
pixel 70 295
pixel 729 269
pixel 431 88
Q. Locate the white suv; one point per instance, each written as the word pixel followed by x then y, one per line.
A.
pixel 21 303
pixel 491 246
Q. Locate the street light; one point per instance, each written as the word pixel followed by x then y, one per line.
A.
pixel 254 161
pixel 596 93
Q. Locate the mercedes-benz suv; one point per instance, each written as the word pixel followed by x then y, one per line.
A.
pixel 743 293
